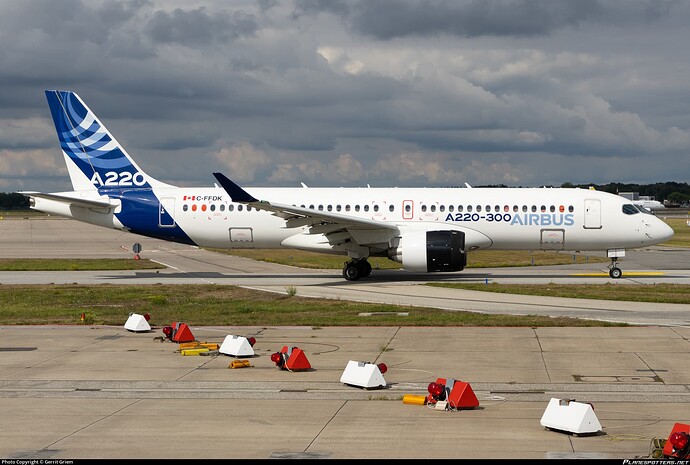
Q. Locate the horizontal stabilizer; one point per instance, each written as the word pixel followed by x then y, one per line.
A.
pixel 77 202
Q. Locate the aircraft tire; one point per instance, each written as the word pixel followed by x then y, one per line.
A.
pixel 351 271
pixel 365 268
pixel 615 272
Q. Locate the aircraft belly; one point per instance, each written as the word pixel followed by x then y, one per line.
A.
pixel 230 232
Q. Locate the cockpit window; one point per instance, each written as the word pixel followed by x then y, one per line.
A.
pixel 629 209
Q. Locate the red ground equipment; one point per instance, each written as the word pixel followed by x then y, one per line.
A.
pixel 178 332
pixel 457 394
pixel 291 359
pixel 678 443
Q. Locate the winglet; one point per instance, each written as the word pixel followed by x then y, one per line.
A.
pixel 236 193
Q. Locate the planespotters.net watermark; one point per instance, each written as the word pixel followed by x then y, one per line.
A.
pixel 654 462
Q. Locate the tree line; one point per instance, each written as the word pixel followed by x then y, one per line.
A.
pixel 676 193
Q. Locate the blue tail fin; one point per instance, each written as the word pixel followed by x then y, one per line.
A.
pixel 95 160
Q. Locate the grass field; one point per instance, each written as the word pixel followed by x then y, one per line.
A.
pixel 653 293
pixel 70 264
pixel 228 305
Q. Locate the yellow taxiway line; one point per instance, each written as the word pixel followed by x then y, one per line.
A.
pixel 626 274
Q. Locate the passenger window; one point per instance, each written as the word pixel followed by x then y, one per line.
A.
pixel 194 207
pixel 479 208
pixel 423 208
pixel 469 208
pixel 460 208
pixel 231 207
pixel 534 208
pixel 185 207
pixel 571 208
pixel 433 208
pixel 376 208
pixel 321 208
pixel 330 207
pixel 552 208
pixel 356 208
pixel 506 208
pixel 391 208
pixel 337 208
pixel 543 208
pixel 213 207
pixel 408 208
pixel 488 208
pixel 347 207
pixel 524 208
pixel 222 207
pixel 239 208
pixel 366 208
pixel 450 208
pixel 442 208
pixel 561 208
pixel 497 208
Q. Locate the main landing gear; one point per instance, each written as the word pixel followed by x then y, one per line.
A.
pixel 355 269
pixel 614 271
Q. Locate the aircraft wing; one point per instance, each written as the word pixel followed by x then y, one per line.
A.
pixel 78 202
pixel 320 221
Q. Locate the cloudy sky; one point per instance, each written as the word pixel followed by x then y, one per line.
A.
pixel 335 92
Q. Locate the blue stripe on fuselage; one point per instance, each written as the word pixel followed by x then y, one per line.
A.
pixel 139 214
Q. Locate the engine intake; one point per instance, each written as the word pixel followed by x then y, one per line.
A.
pixel 430 251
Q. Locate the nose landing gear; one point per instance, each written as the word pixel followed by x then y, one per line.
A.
pixel 614 271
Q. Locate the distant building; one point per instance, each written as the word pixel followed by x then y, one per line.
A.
pixel 630 195
pixel 646 201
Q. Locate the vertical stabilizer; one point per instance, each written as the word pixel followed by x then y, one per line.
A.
pixel 95 160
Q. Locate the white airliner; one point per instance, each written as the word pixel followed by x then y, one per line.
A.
pixel 652 205
pixel 425 229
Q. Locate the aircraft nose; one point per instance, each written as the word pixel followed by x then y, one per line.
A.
pixel 663 231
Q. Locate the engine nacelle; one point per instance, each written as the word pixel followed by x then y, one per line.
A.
pixel 428 251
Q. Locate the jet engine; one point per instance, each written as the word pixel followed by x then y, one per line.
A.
pixel 427 251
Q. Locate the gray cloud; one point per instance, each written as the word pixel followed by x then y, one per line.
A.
pixel 198 27
pixel 388 19
pixel 410 93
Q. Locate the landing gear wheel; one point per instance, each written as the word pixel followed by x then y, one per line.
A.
pixel 352 271
pixel 365 268
pixel 614 271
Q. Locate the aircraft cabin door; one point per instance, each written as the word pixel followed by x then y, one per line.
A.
pixel 408 209
pixel 592 214
pixel 166 209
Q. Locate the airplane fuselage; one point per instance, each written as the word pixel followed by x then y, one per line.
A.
pixel 491 218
